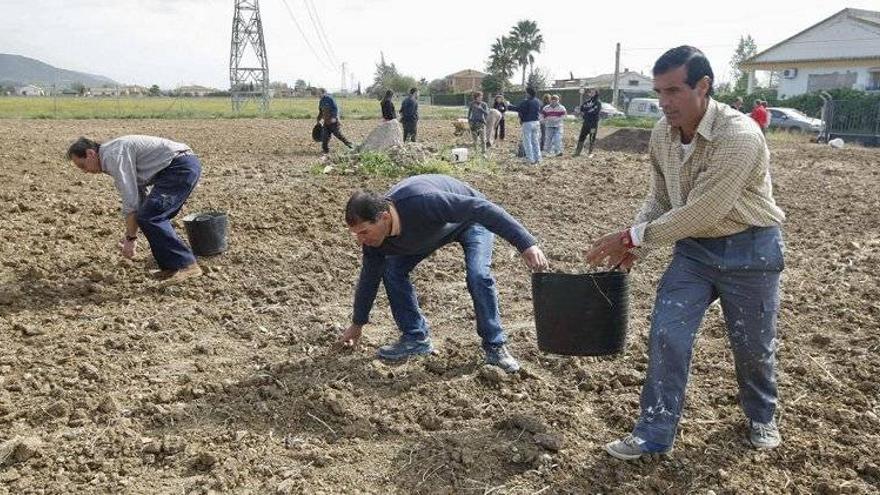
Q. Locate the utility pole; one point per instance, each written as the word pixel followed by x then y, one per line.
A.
pixel 342 89
pixel 246 83
pixel 614 87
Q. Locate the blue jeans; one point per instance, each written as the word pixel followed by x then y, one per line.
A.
pixel 553 140
pixel 171 188
pixel 531 136
pixel 743 270
pixel 477 242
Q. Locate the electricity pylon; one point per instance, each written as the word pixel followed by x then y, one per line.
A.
pixel 248 83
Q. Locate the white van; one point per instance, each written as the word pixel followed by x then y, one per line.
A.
pixel 644 107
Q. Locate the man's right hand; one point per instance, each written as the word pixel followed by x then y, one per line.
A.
pixel 350 337
pixel 535 259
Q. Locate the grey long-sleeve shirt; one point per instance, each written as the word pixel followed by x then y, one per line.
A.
pixel 133 162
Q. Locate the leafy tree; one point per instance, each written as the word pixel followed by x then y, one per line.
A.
pixel 538 78
pixel 438 87
pixel 493 84
pixel 527 40
pixel 278 85
pixel 745 49
pixel 387 77
pixel 300 86
pixel 154 90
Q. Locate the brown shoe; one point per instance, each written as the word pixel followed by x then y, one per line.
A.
pixel 161 274
pixel 178 276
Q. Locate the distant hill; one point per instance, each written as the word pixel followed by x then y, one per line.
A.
pixel 16 70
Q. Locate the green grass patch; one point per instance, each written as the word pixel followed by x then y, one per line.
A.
pixel 70 107
pixel 638 122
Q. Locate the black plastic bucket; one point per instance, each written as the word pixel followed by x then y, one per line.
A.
pixel 206 232
pixel 583 314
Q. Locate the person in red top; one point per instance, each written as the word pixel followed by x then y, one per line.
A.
pixel 761 116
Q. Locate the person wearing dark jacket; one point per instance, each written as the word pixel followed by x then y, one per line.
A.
pixel 501 106
pixel 589 110
pixel 529 110
pixel 407 224
pixel 409 115
pixel 328 116
pixel 388 112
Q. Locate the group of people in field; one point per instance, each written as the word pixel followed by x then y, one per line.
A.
pixel 542 122
pixel 710 197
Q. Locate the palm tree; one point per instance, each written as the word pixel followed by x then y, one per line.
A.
pixel 527 39
pixel 502 59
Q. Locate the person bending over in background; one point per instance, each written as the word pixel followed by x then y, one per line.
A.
pixel 136 163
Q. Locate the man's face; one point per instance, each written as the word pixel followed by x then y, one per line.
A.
pixel 681 104
pixel 90 163
pixel 372 234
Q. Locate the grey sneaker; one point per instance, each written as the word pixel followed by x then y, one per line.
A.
pixel 498 355
pixel 403 349
pixel 764 435
pixel 632 447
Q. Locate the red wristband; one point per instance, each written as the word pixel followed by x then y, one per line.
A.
pixel 627 240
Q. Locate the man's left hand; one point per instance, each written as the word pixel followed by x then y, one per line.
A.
pixel 128 247
pixel 535 259
pixel 609 250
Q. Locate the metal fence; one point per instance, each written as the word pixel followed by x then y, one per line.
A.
pixel 852 120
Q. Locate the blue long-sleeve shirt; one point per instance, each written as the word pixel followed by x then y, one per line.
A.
pixel 528 109
pixel 433 211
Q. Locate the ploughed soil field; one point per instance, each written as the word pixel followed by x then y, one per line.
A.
pixel 111 383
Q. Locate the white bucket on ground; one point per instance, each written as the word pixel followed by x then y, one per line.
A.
pixel 836 143
pixel 459 154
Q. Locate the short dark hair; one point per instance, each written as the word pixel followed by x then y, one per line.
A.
pixel 389 93
pixel 364 206
pixel 692 58
pixel 476 94
pixel 412 91
pixel 80 146
pixel 531 91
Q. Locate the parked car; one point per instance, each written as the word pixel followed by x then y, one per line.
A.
pixel 608 110
pixel 793 120
pixel 644 107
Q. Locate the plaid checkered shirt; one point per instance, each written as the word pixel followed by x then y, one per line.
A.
pixel 721 187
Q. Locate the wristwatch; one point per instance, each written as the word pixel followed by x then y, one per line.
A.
pixel 131 237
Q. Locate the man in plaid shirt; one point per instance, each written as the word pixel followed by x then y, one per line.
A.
pixel 711 196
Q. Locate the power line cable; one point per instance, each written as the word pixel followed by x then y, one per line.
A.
pixel 304 37
pixel 323 31
pixel 319 30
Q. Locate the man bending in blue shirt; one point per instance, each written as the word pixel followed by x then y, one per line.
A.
pixel 400 229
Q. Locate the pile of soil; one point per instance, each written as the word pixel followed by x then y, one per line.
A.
pixel 626 139
pixel 111 383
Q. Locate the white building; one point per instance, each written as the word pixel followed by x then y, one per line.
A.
pixel 626 81
pixel 842 51
pixel 29 90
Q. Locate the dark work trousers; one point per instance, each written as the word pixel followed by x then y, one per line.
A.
pixel 409 130
pixel 326 131
pixel 589 128
pixel 499 129
pixel 171 188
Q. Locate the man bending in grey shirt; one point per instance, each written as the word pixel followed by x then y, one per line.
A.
pixel 171 170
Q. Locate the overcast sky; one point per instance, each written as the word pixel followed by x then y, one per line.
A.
pixel 178 42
